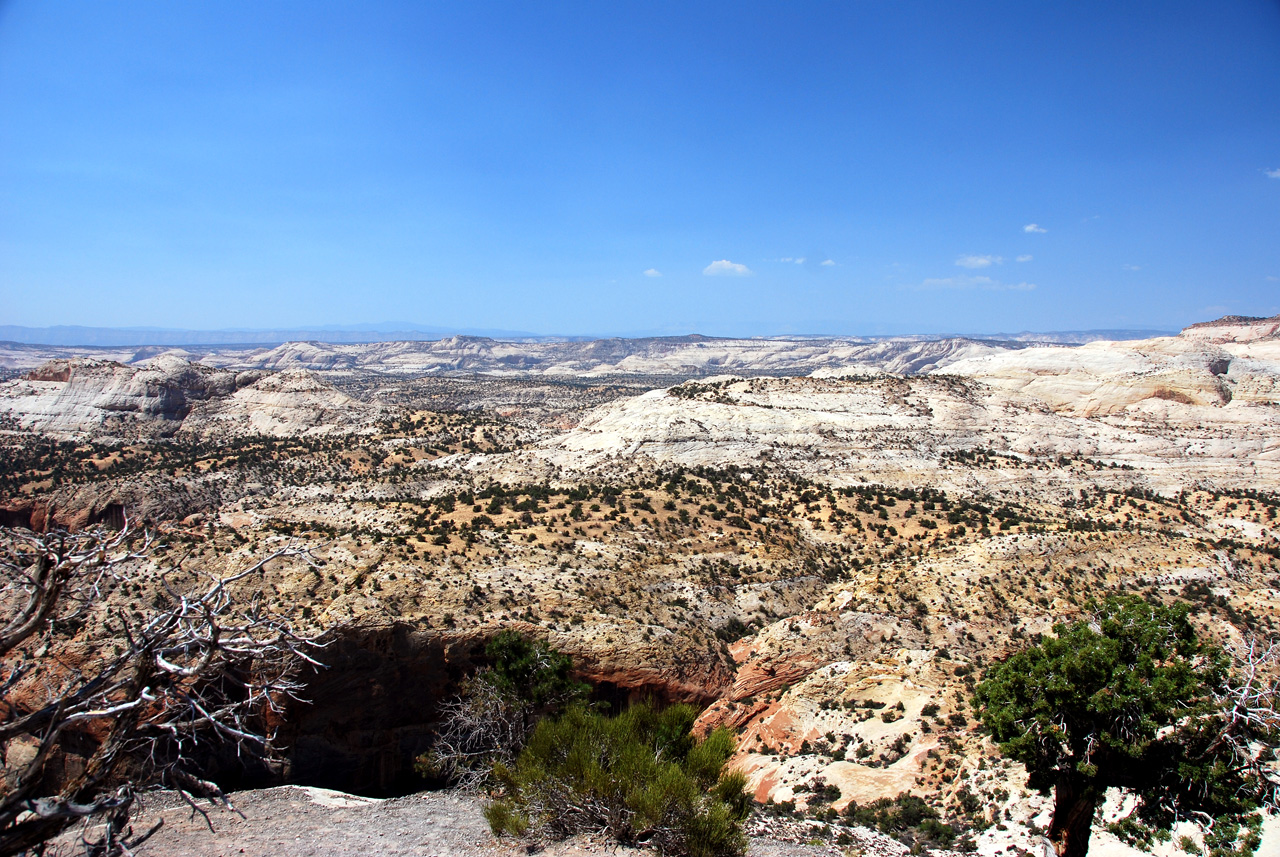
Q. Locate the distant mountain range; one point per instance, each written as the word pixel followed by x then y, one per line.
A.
pixel 116 337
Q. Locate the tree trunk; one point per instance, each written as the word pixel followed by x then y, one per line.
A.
pixel 1073 808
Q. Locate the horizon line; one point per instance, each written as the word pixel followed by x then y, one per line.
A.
pixel 86 336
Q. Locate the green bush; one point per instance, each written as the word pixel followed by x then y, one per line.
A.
pixel 496 709
pixel 906 817
pixel 639 777
pixel 532 671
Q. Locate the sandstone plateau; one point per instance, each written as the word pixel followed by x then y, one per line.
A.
pixel 822 542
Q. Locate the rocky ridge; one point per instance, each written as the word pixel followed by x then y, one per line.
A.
pixel 686 356
pixel 904 431
pixel 1235 328
pixel 164 394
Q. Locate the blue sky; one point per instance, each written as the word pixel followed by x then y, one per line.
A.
pixel 592 168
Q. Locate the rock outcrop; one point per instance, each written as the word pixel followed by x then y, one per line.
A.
pixel 1235 328
pixel 76 396
pixel 1180 425
pixel 163 395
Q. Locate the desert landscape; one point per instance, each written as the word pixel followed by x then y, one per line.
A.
pixel 706 429
pixel 820 543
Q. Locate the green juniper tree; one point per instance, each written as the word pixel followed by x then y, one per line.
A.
pixel 1135 701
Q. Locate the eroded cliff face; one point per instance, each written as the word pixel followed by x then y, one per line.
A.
pixel 70 396
pixel 80 397
pixel 145 500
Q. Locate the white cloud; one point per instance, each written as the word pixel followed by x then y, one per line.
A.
pixel 984 283
pixel 979 261
pixel 1275 174
pixel 653 272
pixel 827 263
pixel 800 260
pixel 1025 257
pixel 725 268
pixel 1034 227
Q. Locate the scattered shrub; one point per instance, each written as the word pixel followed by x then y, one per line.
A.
pixel 639 778
pixel 733 630
pixel 906 817
pixel 496 709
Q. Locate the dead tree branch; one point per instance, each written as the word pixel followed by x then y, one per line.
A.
pixel 201 669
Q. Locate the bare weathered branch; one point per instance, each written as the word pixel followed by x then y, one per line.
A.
pixel 200 667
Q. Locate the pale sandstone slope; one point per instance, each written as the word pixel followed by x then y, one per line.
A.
pixel 899 431
pixel 1235 328
pixel 166 394
pixel 1107 377
pixel 287 404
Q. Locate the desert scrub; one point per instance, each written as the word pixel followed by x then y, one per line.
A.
pixel 909 819
pixel 496 709
pixel 639 777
